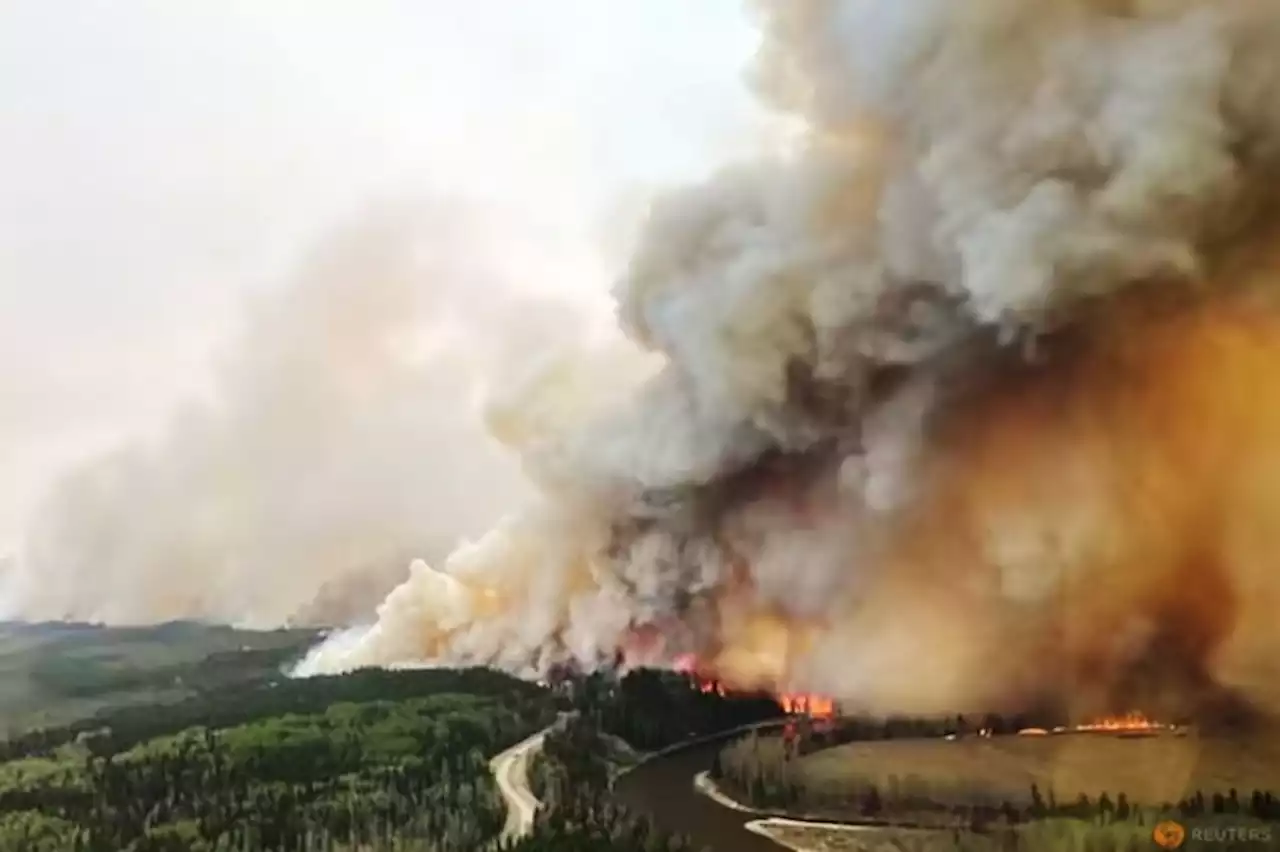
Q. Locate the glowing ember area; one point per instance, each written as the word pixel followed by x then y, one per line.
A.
pixel 806 704
pixel 793 703
pixel 709 686
pixel 1129 722
pixel 685 664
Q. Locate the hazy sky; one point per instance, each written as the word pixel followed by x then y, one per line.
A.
pixel 160 160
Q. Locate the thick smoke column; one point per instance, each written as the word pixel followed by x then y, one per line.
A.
pixel 927 431
pixel 962 403
pixel 341 440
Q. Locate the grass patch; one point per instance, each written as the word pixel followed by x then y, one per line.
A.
pixel 1150 770
pixel 1056 835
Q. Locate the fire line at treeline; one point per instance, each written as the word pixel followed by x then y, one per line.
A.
pixel 793 703
pixel 821 708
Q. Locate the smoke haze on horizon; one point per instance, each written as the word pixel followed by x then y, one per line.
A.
pixel 344 438
pixel 169 170
pixel 162 164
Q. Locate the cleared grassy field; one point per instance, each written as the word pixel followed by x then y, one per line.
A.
pixel 1148 770
pixel 1044 836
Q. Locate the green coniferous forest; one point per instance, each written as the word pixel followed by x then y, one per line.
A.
pixel 373 760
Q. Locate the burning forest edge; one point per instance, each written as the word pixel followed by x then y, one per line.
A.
pixel 827 711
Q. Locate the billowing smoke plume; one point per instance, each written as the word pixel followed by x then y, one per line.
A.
pixel 343 438
pixel 964 402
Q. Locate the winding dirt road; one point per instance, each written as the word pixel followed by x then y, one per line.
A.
pixel 511 770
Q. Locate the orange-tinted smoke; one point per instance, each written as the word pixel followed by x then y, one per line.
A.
pixel 1111 511
pixel 1100 529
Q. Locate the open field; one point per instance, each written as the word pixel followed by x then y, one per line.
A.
pixel 1149 770
pixel 820 838
pixel 54 674
pixel 1045 836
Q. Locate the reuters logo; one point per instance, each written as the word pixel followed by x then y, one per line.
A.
pixel 1169 834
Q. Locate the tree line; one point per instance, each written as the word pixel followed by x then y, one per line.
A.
pixel 118 729
pixel 652 709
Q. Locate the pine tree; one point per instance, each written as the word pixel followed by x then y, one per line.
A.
pixel 1083 807
pixel 1038 807
pixel 1122 807
pixel 871 803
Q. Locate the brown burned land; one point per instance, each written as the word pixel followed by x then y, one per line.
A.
pixel 1148 770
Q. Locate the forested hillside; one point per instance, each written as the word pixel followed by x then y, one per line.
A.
pixel 245 759
pixel 333 763
pixel 56 674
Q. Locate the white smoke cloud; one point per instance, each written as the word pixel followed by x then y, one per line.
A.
pixel 345 437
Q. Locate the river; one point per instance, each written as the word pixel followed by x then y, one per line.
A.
pixel 663 789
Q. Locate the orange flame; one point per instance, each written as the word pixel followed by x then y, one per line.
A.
pixel 807 704
pixel 1133 721
pixel 793 703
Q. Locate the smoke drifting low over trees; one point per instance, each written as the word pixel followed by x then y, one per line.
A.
pixel 343 438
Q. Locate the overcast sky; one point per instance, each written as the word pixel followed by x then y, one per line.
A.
pixel 160 160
